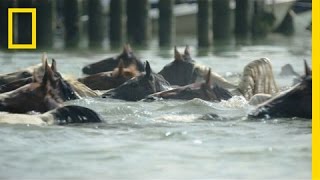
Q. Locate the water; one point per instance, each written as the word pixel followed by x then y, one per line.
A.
pixel 165 139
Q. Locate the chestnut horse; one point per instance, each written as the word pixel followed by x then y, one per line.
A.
pixel 109 64
pixel 111 79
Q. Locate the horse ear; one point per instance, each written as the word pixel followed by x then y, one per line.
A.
pixel 44 59
pixel 148 69
pixel 177 55
pixel 208 77
pixel 54 65
pixel 48 75
pixel 126 49
pixel 187 50
pixel 129 47
pixel 120 67
pixel 307 69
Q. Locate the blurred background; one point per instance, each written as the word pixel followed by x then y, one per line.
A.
pixel 108 24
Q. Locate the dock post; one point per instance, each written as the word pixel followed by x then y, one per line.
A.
pixel 243 17
pixel 221 21
pixel 24 23
pixel 166 22
pixel 72 23
pixel 117 23
pixel 204 30
pixel 4 5
pixel 262 21
pixel 46 23
pixel 138 29
pixel 95 24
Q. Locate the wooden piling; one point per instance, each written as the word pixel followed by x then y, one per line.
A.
pixel 138 29
pixel 117 23
pixel 221 19
pixel 263 21
pixel 204 30
pixel 166 22
pixel 71 11
pixel 95 24
pixel 46 23
pixel 24 23
pixel 243 17
pixel 4 5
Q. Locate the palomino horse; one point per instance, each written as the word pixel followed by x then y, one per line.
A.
pixel 111 79
pixel 205 91
pixel 109 64
pixel 139 87
pixel 257 77
pixel 295 102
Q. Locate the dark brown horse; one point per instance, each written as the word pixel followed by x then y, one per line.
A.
pixel 111 79
pixel 181 70
pixel 139 87
pixel 184 71
pixel 295 102
pixel 205 91
pixel 41 95
pixel 109 64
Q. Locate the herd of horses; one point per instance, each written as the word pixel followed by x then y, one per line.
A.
pixel 36 95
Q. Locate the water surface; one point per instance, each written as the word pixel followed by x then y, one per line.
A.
pixel 165 139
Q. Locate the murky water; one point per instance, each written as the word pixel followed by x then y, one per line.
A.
pixel 165 139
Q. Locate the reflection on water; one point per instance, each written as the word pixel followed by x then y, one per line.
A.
pixel 166 139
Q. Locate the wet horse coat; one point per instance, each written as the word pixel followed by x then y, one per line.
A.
pixel 45 96
pixel 139 87
pixel 205 91
pixel 184 70
pixel 111 79
pixel 295 102
pixel 109 64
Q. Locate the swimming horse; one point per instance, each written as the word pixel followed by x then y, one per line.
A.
pixel 19 81
pixel 139 87
pixel 110 79
pixel 183 70
pixel 109 64
pixel 203 90
pixel 295 102
pixel 257 76
pixel 45 96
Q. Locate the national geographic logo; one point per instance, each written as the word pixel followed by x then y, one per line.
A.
pixel 33 13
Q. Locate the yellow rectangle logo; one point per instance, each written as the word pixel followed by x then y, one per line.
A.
pixel 33 44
